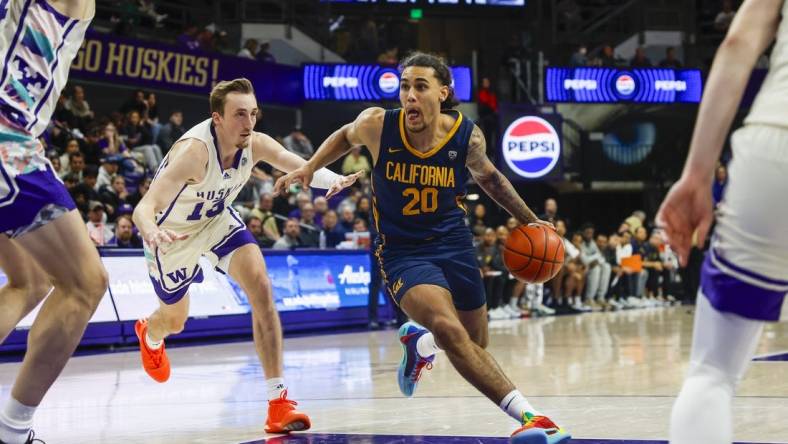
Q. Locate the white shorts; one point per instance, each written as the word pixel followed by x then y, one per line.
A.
pixel 172 268
pixel 746 269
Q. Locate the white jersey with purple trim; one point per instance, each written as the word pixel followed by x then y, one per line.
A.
pixel 772 99
pixel 197 204
pixel 37 45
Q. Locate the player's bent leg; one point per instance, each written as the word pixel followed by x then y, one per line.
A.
pixel 80 282
pixel 27 285
pixel 247 267
pixel 475 323
pixel 168 319
pixel 432 307
pixel 723 345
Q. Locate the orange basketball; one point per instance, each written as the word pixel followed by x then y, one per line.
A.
pixel 534 253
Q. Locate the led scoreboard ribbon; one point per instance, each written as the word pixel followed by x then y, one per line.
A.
pixel 367 82
pixel 611 85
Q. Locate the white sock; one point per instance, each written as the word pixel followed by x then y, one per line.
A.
pixel 275 387
pixel 16 419
pixel 153 345
pixel 426 345
pixel 723 345
pixel 515 404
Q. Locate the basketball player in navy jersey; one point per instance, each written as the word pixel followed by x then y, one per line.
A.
pixel 421 152
pixel 744 278
pixel 43 242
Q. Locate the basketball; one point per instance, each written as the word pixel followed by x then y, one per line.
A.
pixel 534 253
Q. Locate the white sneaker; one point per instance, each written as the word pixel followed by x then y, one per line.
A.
pixel 545 310
pixel 497 314
pixel 512 312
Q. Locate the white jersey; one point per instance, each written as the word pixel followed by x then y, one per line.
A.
pixel 37 45
pixel 196 205
pixel 771 102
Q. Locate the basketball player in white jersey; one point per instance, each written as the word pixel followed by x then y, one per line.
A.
pixel 745 273
pixel 43 242
pixel 187 213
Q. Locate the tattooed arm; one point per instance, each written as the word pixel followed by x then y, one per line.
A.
pixel 493 182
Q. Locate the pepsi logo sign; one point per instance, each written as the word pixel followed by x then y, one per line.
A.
pixel 388 82
pixel 531 147
pixel 625 84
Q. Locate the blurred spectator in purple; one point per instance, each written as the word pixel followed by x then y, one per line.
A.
pixel 124 236
pixel 263 54
pixel 333 234
pixel 189 37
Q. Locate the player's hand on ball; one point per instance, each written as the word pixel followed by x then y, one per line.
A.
pixel 686 209
pixel 543 222
pixel 163 237
pixel 302 175
pixel 342 183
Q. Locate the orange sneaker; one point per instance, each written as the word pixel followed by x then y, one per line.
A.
pixel 284 418
pixel 154 362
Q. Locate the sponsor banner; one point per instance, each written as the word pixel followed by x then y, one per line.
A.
pixel 110 59
pixel 530 145
pixel 301 280
pixel 367 82
pixel 611 85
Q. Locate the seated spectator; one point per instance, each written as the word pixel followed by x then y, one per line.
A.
pixel 255 226
pixel 488 256
pixel 310 238
pixel 249 51
pixel 670 60
pixel 142 190
pixel 108 169
pixel 264 211
pixel 352 198
pixel 608 56
pixel 720 182
pixel 550 211
pixel 300 199
pixel 54 159
pixel 76 165
pixel 321 207
pixel 331 231
pixel 577 279
pixel 512 224
pixel 579 57
pixel 72 147
pixel 90 181
pixel 125 236
pixel 140 139
pixel 135 103
pixel 188 38
pixel 360 225
pixel 652 262
pixel 346 219
pixel 389 56
pixel 640 60
pixel 170 132
pixel 608 247
pixel 113 197
pixel 98 230
pixel 478 218
pixel 355 162
pixel 598 270
pixel 636 220
pixel 291 238
pixel 297 142
pixel 264 55
pixel 363 208
pixel 79 107
pixel 725 17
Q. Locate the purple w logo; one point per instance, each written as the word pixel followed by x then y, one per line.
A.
pixel 178 276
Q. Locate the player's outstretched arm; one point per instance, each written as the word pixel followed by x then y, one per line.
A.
pixel 269 150
pixel 365 130
pixel 493 182
pixel 687 208
pixel 186 165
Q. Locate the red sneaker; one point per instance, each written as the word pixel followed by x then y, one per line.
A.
pixel 155 362
pixel 284 418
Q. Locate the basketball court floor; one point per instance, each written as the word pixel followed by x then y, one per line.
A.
pixel 606 377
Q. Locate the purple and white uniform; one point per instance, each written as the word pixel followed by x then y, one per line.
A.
pixel 37 45
pixel 204 212
pixel 749 249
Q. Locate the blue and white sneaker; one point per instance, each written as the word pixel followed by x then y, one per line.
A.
pixel 412 364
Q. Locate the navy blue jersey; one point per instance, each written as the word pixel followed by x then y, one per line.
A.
pixel 418 196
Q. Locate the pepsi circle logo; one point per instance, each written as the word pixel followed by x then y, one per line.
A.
pixel 625 84
pixel 388 82
pixel 531 147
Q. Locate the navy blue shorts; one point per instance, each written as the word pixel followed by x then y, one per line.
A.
pixel 449 262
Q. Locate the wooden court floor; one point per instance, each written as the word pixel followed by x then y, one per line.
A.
pixel 603 376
